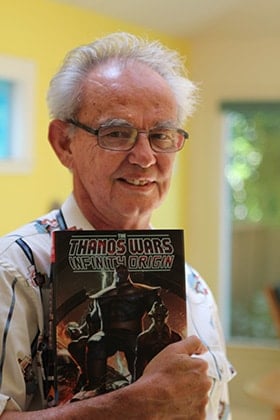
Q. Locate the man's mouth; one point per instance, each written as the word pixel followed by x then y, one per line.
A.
pixel 137 182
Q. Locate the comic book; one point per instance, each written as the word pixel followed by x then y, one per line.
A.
pixel 118 299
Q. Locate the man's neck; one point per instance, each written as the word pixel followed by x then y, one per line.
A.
pixel 100 222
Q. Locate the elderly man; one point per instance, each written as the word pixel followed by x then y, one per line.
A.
pixel 117 108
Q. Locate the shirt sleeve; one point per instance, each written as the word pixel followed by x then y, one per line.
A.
pixel 203 321
pixel 20 324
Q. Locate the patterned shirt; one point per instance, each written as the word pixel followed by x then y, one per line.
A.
pixel 25 269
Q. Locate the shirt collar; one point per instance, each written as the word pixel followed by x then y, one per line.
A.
pixel 73 216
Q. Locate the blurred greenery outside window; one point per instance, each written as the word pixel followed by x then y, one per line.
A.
pixel 252 173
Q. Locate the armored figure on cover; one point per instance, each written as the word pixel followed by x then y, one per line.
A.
pixel 152 340
pixel 113 322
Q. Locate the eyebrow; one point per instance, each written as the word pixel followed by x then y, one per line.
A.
pixel 122 122
pixel 116 121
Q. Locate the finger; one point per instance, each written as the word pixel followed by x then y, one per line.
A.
pixel 190 345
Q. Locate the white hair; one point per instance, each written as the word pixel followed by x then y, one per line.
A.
pixel 66 87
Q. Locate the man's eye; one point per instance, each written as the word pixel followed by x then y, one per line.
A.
pixel 159 136
pixel 118 133
pixel 167 135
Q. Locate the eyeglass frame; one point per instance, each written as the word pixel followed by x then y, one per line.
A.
pixel 95 132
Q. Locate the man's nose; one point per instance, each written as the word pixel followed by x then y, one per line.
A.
pixel 142 154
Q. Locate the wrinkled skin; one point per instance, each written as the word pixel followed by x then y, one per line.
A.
pixel 118 190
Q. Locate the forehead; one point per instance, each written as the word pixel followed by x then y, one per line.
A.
pixel 133 88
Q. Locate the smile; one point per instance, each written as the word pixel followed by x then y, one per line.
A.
pixel 137 182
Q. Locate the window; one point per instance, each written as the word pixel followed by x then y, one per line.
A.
pixel 5 118
pixel 16 114
pixel 253 176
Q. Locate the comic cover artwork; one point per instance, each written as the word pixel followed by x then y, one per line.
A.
pixel 118 299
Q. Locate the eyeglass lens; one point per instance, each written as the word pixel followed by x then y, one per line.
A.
pixel 124 138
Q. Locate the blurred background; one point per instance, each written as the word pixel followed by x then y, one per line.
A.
pixel 225 192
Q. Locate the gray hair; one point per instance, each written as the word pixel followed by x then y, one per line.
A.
pixel 66 87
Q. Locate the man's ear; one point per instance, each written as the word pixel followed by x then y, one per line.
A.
pixel 60 141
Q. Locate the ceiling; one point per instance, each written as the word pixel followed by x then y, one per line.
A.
pixel 191 18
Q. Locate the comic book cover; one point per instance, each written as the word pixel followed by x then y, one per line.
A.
pixel 118 299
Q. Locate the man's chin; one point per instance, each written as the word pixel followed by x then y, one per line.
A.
pixel 135 214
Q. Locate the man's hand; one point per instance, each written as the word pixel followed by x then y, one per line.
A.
pixel 179 381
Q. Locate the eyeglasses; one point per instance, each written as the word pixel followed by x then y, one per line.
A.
pixel 123 138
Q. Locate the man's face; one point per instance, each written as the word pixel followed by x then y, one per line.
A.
pixel 119 190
